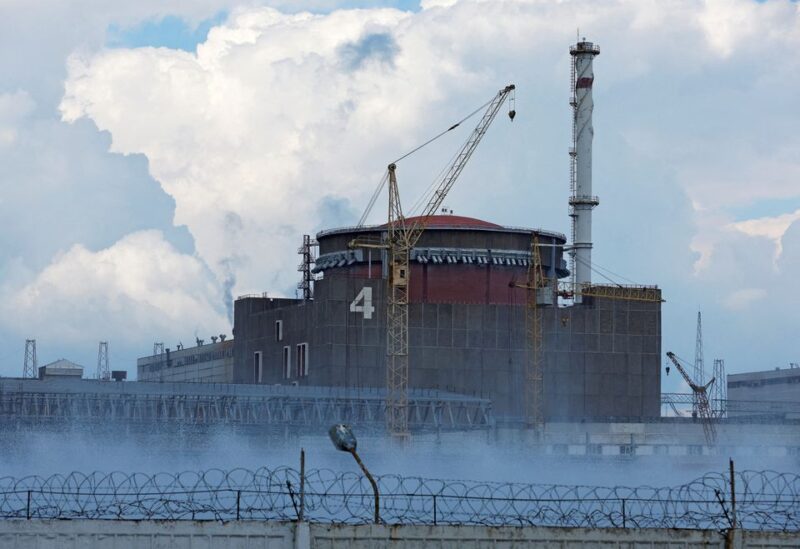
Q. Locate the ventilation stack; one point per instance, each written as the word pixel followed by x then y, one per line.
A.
pixel 582 201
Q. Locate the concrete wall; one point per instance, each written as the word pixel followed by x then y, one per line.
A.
pixel 88 534
pixel 601 358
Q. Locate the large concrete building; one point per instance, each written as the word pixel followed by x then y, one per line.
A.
pixel 467 326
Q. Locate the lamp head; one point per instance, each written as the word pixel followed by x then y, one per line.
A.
pixel 342 437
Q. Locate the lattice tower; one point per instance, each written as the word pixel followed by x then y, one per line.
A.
pixel 719 392
pixel 698 373
pixel 29 367
pixel 103 373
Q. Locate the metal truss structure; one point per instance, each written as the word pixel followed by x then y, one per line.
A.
pixel 30 367
pixel 425 411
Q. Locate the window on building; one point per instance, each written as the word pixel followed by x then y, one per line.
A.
pixel 258 371
pixel 279 330
pixel 287 362
pixel 302 360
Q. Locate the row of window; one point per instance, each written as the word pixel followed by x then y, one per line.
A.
pixel 761 382
pixel 628 449
pixel 159 362
pixel 300 363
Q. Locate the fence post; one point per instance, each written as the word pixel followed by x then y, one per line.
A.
pixel 624 521
pixel 434 509
pixel 733 495
pixel 28 509
pixel 301 514
pixel 238 504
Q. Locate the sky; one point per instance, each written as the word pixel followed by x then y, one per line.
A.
pixel 161 157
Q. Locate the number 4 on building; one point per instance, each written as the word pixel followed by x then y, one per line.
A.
pixel 363 303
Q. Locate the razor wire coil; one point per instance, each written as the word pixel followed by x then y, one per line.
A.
pixel 765 500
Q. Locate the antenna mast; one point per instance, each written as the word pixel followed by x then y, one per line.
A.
pixel 699 372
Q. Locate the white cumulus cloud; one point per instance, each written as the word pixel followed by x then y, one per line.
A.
pixel 140 285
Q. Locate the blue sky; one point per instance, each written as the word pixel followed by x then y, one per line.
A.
pixel 140 184
pixel 174 31
pixel 170 31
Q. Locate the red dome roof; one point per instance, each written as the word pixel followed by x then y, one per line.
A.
pixel 456 221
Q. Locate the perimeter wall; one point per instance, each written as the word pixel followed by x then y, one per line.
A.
pixel 90 534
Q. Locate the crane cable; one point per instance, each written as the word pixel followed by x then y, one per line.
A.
pixel 374 197
pixel 385 177
pixel 594 267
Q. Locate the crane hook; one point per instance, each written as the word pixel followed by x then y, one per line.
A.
pixel 512 104
pixel 511 114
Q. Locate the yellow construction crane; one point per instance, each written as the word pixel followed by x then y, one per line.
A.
pixel 701 397
pixel 402 235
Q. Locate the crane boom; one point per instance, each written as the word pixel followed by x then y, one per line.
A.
pixel 701 397
pixel 451 175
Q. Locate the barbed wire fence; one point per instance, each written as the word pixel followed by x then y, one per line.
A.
pixel 764 500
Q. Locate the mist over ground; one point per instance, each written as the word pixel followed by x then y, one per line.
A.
pixel 464 456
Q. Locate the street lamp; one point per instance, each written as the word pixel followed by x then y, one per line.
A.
pixel 344 440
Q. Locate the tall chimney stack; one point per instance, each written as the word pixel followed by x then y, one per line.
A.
pixel 581 201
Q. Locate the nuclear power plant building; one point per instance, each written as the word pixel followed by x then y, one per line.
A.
pixel 467 329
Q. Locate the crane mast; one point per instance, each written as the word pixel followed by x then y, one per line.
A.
pixel 534 389
pixel 701 398
pixel 402 238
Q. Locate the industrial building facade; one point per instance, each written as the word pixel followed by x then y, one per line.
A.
pixel 207 363
pixel 769 393
pixel 467 331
